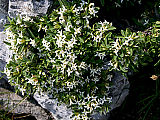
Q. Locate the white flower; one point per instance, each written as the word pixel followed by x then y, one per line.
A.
pixel 67 28
pixel 32 81
pixel 69 72
pixel 77 117
pixel 93 72
pixel 69 85
pixel 61 19
pixel 83 3
pixel 77 30
pixel 116 46
pixel 60 38
pixel 100 55
pixel 46 44
pixel 109 77
pixel 109 99
pixel 74 66
pixel 95 104
pixel 95 79
pixel 22 90
pixel 92 10
pixel 97 38
pixel 88 79
pixel 57 54
pixel 62 10
pixel 70 102
pixel 7 71
pixel 32 42
pixel 40 26
pixel 11 36
pixel 87 106
pixel 18 21
pixel 146 22
pixel 45 28
pixel 72 42
pixel 62 52
pixel 88 97
pixel 76 11
pixel 78 22
pixel 59 43
pixel 72 58
pixel 127 41
pixel 43 73
pixel 19 41
pixel 26 18
pixel 83 65
pixel 63 65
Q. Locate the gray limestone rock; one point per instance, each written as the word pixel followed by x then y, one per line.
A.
pixel 118 91
pixel 59 112
pixel 5 53
pixel 12 102
pixel 28 7
pixel 3 13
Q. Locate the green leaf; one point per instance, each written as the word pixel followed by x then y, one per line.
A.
pixel 123 33
pixel 157 63
pixel 20 49
pixel 111 28
pixel 32 56
pixel 31 33
pixel 102 2
pixel 122 69
pixel 9 19
pixel 7 43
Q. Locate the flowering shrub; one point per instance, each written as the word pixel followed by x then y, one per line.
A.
pixel 132 49
pixel 61 54
pixel 70 58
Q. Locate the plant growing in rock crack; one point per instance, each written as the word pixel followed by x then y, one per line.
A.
pixel 64 55
pixel 61 54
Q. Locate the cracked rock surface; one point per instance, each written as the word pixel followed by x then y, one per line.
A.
pixel 10 100
pixel 28 7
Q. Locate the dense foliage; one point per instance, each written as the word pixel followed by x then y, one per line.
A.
pixel 68 56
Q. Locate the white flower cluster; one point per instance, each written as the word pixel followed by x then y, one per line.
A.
pixel 119 44
pixel 10 37
pixel 88 107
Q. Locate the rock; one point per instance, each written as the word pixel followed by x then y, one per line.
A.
pixel 10 100
pixel 4 53
pixel 59 112
pixel 119 90
pixel 28 7
pixel 3 13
